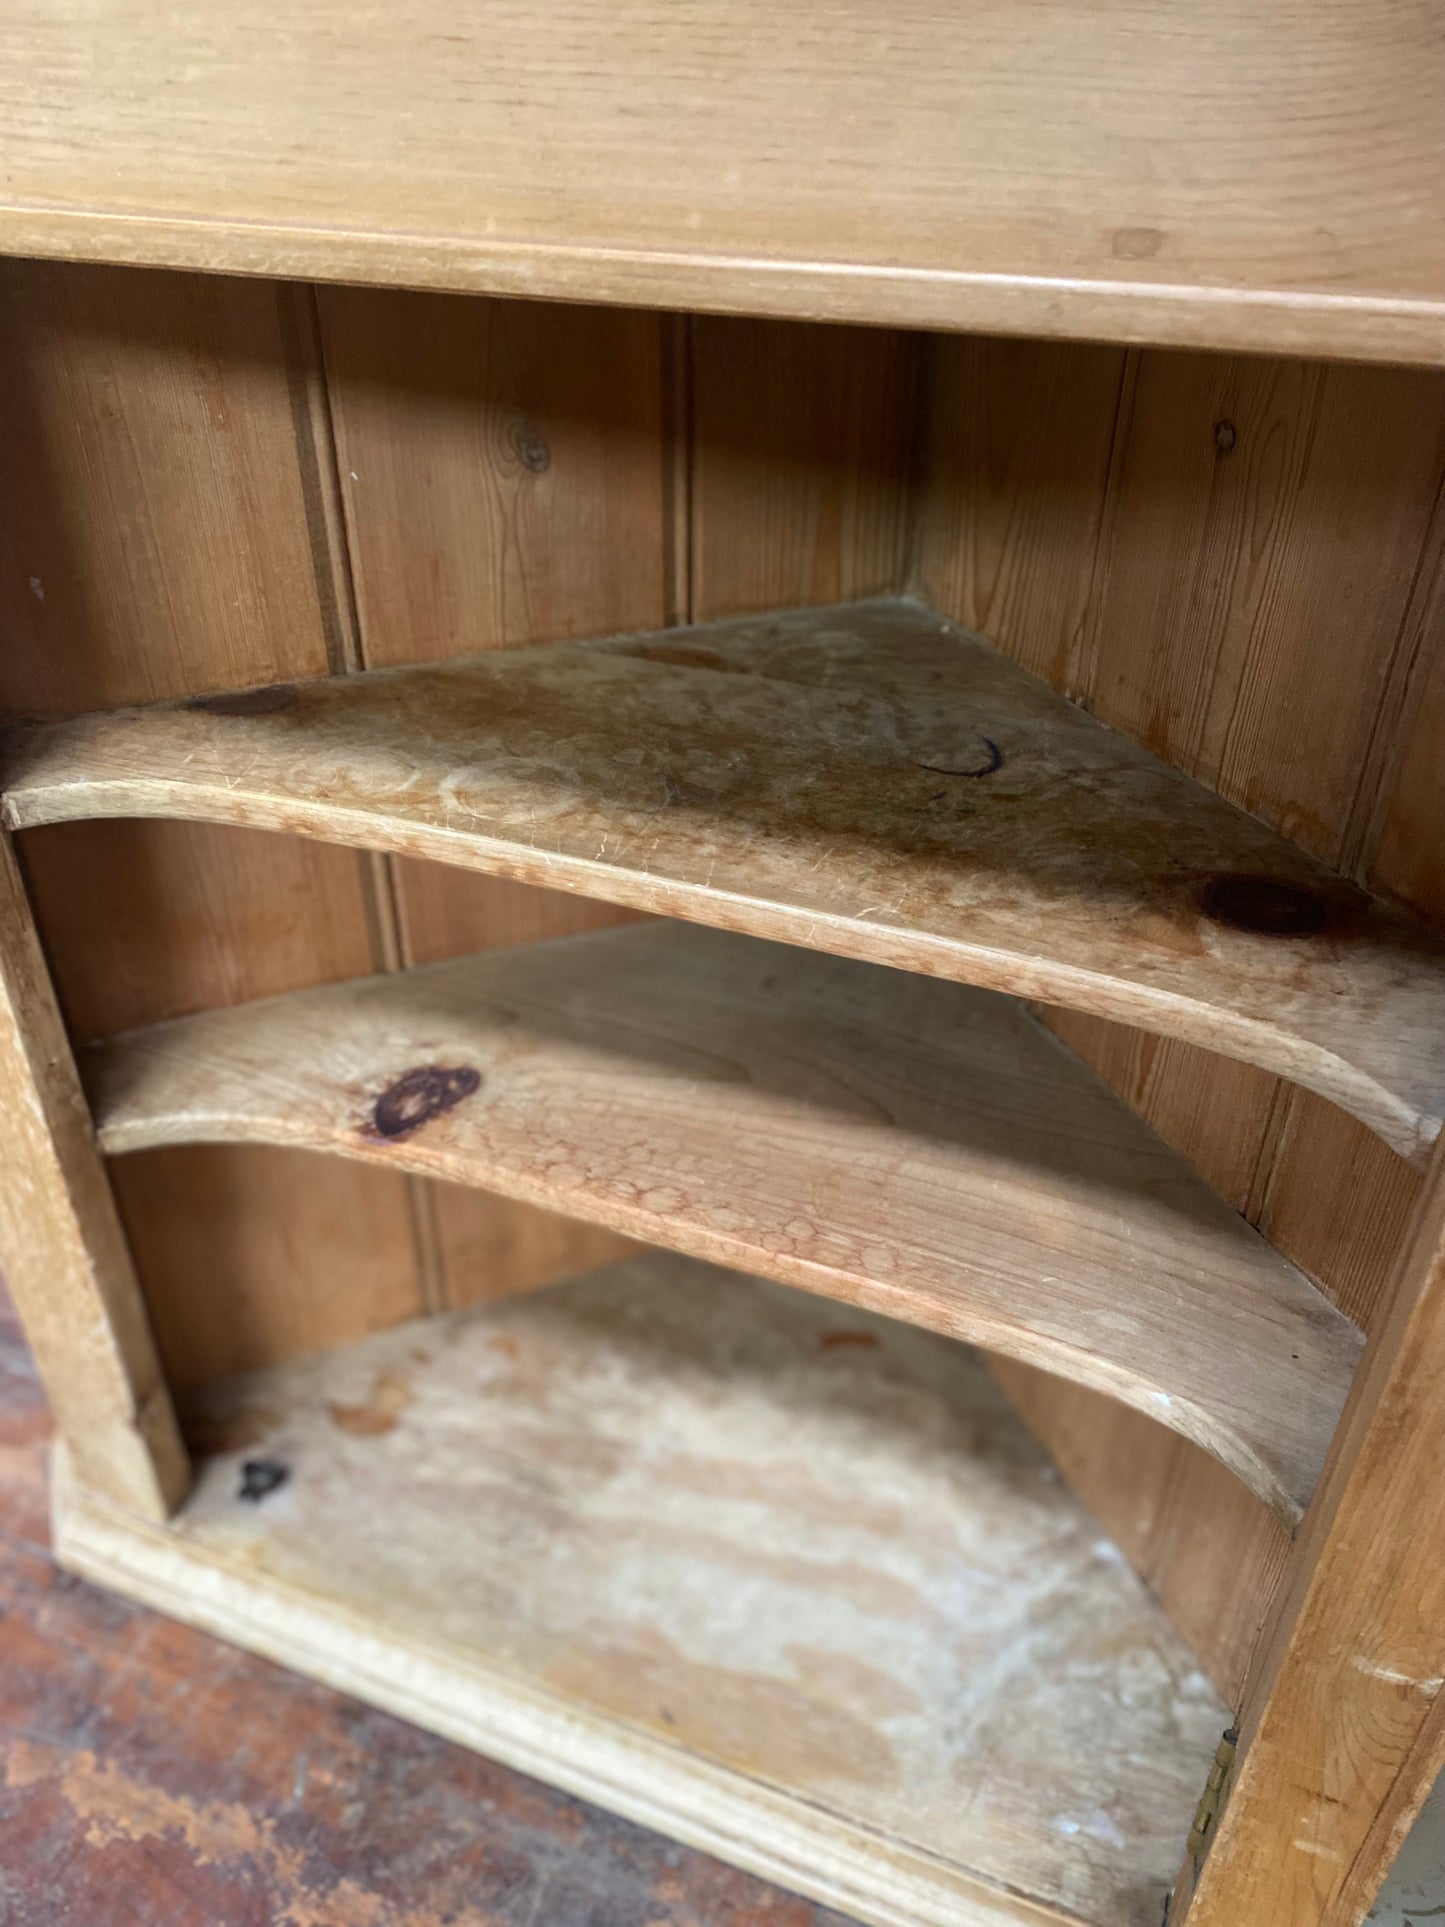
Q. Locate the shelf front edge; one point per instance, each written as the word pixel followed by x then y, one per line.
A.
pixel 917 1148
pixel 866 780
pixel 1397 330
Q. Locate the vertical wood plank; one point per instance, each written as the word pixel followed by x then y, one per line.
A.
pixel 154 539
pixel 160 535
pixel 502 469
pixel 65 1257
pixel 1338 1204
pixel 1021 450
pixel 308 1261
pixel 506 478
pixel 1261 565
pixel 1231 570
pixel 201 917
pixel 295 1254
pixel 803 459
pixel 1258 565
pixel 1404 848
pixel 1015 473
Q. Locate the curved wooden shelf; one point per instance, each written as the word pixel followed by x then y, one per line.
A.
pixel 1255 174
pixel 912 1147
pixel 866 780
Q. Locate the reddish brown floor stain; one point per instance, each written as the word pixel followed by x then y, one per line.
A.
pixel 152 1777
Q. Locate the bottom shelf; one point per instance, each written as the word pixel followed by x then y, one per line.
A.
pixel 786 1581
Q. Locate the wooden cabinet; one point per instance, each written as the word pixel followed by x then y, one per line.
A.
pixel 832 663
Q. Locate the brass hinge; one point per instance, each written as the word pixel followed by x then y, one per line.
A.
pixel 1211 1803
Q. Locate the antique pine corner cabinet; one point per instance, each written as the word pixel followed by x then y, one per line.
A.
pixel 722 904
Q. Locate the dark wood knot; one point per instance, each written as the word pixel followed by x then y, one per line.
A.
pixel 419 1095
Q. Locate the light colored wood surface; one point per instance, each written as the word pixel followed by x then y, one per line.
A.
pixel 500 470
pixel 160 529
pixel 65 1257
pixel 1206 1546
pixel 784 1579
pixel 915 1147
pixel 866 779
pixel 155 1777
pixel 1237 177
pixel 1238 496
pixel 800 470
pixel 1017 439
pixel 253 1255
pixel 1343 1731
pixel 155 529
pixel 1256 568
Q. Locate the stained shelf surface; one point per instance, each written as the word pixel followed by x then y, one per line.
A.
pixel 1243 175
pixel 917 1148
pixel 788 1581
pixel 866 779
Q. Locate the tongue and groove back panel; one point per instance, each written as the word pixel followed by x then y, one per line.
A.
pixel 1241 562
pixel 214 483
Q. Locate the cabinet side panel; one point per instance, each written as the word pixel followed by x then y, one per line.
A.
pixel 158 536
pixel 62 1245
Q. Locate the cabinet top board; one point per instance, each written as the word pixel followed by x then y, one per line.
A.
pixel 1237 176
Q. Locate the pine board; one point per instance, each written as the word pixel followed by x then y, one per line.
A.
pixel 916 1147
pixel 784 1580
pixel 868 780
pixel 1238 176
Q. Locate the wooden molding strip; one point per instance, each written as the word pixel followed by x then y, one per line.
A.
pixel 1247 177
pixel 867 780
pixel 911 1147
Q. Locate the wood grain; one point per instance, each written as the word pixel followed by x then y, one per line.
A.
pixel 129 1796
pixel 155 535
pixel 805 777
pixel 64 1254
pixel 1277 509
pixel 182 917
pixel 162 530
pixel 906 1145
pixel 800 486
pixel 1243 177
pixel 187 916
pixel 1293 500
pixel 1342 1736
pixel 1403 846
pixel 311 1256
pixel 1204 1544
pixel 501 469
pixel 1362 1743
pixel 825 1611
pixel 1264 569
pixel 1013 483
